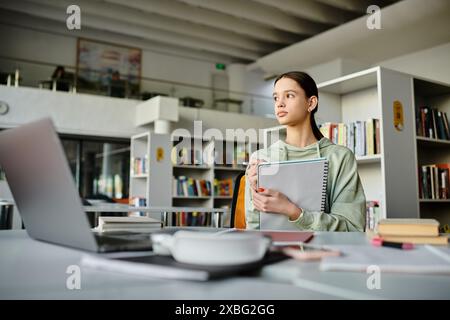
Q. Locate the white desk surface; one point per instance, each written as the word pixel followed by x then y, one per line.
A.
pixel 32 269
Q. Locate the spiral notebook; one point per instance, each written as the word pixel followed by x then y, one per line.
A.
pixel 304 182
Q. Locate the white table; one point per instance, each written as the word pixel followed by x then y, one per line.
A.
pixel 32 269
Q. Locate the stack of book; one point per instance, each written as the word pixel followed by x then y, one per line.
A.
pixel 432 123
pixel 417 231
pixel 127 224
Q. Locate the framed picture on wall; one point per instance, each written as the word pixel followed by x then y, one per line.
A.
pixel 108 68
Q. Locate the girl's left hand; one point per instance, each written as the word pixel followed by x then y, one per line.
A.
pixel 267 200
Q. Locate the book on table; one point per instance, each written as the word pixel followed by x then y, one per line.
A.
pixel 127 224
pixel 417 231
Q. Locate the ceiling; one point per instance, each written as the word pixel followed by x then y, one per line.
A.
pixel 407 26
pixel 230 30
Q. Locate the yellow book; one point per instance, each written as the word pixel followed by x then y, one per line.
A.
pixel 408 227
pixel 370 137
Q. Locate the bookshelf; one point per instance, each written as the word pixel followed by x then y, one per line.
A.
pixel 388 177
pixel 150 170
pixel 434 148
pixel 217 161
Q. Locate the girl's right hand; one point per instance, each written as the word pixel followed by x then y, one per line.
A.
pixel 252 174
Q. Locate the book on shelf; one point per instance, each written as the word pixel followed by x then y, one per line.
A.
pixel 127 224
pixel 361 137
pixel 432 123
pixel 192 219
pixel 138 202
pixel 223 187
pixel 434 181
pixel 139 165
pixel 189 187
pixel 231 155
pixel 241 155
pixel 190 154
pixel 373 214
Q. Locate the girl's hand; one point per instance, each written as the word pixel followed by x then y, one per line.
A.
pixel 252 174
pixel 267 200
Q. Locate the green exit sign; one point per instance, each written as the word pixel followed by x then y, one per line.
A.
pixel 220 66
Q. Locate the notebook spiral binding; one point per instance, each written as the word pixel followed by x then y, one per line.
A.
pixel 324 187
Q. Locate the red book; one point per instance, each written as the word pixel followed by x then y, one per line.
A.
pixel 423 116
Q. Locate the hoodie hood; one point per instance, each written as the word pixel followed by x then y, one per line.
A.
pixel 281 151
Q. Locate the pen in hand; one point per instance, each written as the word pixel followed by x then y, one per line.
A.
pixel 378 242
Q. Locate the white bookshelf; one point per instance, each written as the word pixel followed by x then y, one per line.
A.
pixel 436 95
pixel 153 183
pixel 390 176
pixel 212 167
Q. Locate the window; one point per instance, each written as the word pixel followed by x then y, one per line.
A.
pixel 101 168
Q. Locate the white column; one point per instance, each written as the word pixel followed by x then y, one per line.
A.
pixel 162 126
pixel 237 75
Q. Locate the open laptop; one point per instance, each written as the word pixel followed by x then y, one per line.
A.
pixel 44 191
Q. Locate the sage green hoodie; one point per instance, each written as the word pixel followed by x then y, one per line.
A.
pixel 345 201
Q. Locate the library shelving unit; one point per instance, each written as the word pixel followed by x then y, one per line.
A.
pixel 435 95
pixel 151 169
pixel 389 177
pixel 213 160
pixel 190 164
pixel 199 158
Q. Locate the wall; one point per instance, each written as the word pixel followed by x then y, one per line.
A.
pixel 61 49
pixel 52 48
pixel 243 80
pixel 432 63
pixel 81 114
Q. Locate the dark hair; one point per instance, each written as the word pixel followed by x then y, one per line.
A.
pixel 58 68
pixel 308 85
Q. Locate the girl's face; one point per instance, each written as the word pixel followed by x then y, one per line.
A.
pixel 291 103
